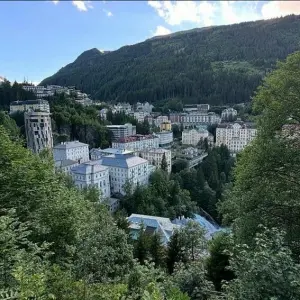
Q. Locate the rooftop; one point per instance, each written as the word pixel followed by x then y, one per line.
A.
pixel 136 137
pixel 68 145
pixel 155 150
pixel 89 167
pixel 119 126
pixel 28 102
pixel 122 160
pixel 244 125
pixel 110 151
pixel 65 163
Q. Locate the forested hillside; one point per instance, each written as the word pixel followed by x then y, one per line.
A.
pixel 215 65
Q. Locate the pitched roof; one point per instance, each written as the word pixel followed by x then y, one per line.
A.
pixel 69 145
pixel 89 167
pixel 122 160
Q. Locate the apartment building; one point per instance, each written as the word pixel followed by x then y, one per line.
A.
pixel 145 107
pixel 74 150
pixel 165 138
pixel 29 105
pixel 165 126
pixel 155 157
pixel 137 142
pixel 38 130
pixel 65 166
pixel 121 131
pixel 236 136
pixel 196 118
pixel 193 136
pixel 159 120
pixel 92 173
pixel 126 167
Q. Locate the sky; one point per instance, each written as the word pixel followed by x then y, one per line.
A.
pixel 40 37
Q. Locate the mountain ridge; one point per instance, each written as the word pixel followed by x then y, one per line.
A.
pixel 217 64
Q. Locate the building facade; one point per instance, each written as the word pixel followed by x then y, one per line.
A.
pixel 137 142
pixel 74 150
pixel 165 126
pixel 196 118
pixel 159 120
pixel 126 167
pixel 193 136
pixel 121 131
pixel 29 105
pixel 236 136
pixel 65 166
pixel 38 131
pixel 165 138
pixel 92 173
pixel 155 157
pixel 145 107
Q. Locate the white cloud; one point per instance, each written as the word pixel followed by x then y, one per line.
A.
pixel 55 1
pixel 108 13
pixel 82 5
pixel 274 9
pixel 161 30
pixel 177 12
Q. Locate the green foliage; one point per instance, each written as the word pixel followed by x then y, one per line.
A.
pixel 10 126
pixel 218 260
pixel 266 271
pixel 221 64
pixel 164 164
pixel 266 189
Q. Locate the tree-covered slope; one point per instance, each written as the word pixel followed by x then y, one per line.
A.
pixel 217 65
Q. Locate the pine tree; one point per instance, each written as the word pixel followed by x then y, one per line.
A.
pixel 157 250
pixel 164 164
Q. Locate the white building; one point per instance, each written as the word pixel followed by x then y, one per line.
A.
pixel 38 130
pixel 193 136
pixel 123 107
pixel 140 116
pixel 235 135
pixel 29 105
pixel 159 120
pixel 98 153
pixel 92 173
pixel 126 167
pixel 71 150
pixel 229 114
pixel 155 157
pixel 103 113
pixel 121 131
pixel 199 118
pixel 145 107
pixel 137 142
pixel 165 138
pixel 66 165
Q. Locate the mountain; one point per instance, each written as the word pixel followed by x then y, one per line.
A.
pixel 216 65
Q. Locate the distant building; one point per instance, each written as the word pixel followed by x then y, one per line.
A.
pixel 155 156
pixel 194 136
pixel 159 120
pixel 92 173
pixel 196 118
pixel 229 114
pixel 123 107
pixel 121 131
pixel 71 150
pixel 162 226
pixel 38 131
pixel 137 142
pixel 103 113
pixel 202 108
pixel 126 167
pixel 165 138
pixel 97 154
pixel 236 136
pixel 29 105
pixel 166 126
pixel 66 165
pixel 140 116
pixel 145 107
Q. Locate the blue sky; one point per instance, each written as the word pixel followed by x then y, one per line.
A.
pixel 40 37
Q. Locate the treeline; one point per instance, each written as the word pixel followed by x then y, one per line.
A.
pixel 216 65
pixel 186 192
pixel 13 92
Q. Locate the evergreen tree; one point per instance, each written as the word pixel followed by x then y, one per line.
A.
pixel 164 164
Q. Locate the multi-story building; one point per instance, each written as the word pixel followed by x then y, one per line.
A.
pixel 66 165
pixel 29 105
pixel 165 138
pixel 92 173
pixel 235 135
pixel 97 154
pixel 165 126
pixel 203 108
pixel 229 114
pixel 121 131
pixel 137 142
pixel 103 113
pixel 71 150
pixel 139 116
pixel 149 119
pixel 196 118
pixel 123 107
pixel 126 167
pixel 176 117
pixel 155 157
pixel 160 119
pixel 38 130
pixel 145 107
pixel 194 136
